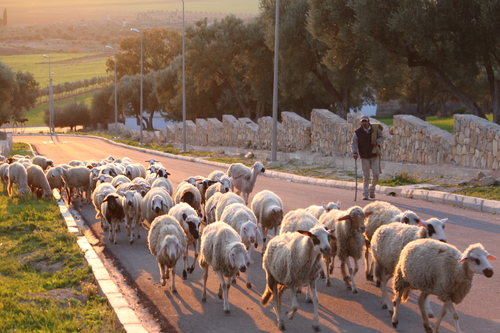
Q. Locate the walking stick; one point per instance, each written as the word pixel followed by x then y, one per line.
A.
pixel 356 172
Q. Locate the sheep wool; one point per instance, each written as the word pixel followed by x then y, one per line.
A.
pixel 243 178
pixel 268 209
pixel 439 269
pixel 38 180
pixel 17 175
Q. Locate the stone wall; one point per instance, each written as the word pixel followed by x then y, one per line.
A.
pixel 6 144
pixel 475 142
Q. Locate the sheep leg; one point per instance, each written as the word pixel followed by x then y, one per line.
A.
pixel 328 260
pixel 205 277
pixel 225 290
pixel 368 262
pixel 385 301
pixel 173 288
pixel 295 304
pixel 423 311
pixel 352 272
pixel 312 287
pixel 395 319
pixel 278 293
pixel 163 279
pixel 185 258
pixel 428 308
pixel 347 279
pixel 191 268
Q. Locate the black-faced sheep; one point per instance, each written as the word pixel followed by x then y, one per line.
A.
pixel 243 220
pixel 167 242
pixel 38 181
pixel 293 260
pixel 268 210
pixel 112 210
pixel 131 203
pixel 243 178
pixel 19 176
pixel 221 248
pixel 190 223
pixel 349 228
pixel 437 268
pixel 155 203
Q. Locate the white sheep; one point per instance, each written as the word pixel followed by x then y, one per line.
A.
pixel 167 242
pixel 135 170
pixel 349 228
pixel 112 210
pixel 75 178
pixel 164 183
pixel 55 179
pixel 189 194
pixel 19 176
pixel 100 192
pixel 437 268
pixel 155 171
pixel 221 248
pixel 328 220
pixel 225 200
pixel 155 203
pixel 243 220
pixel 268 210
pixel 38 181
pixel 190 223
pixel 243 178
pixel 387 243
pixel 119 179
pixel 210 208
pixel 223 185
pixel 43 162
pixel 318 210
pixel 4 175
pixel 131 203
pixel 293 260
pixel 382 212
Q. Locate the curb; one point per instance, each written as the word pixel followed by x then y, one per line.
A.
pixel 126 315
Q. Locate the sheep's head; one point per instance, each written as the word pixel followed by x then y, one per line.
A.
pixel 435 228
pixel 478 259
pixel 409 217
pixel 331 205
pixel 259 167
pixel 239 258
pixel 249 232
pixel 319 236
pixel 170 250
pixel 356 217
pixel 193 223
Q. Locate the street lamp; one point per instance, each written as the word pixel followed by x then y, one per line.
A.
pixel 183 85
pixel 51 100
pixel 275 84
pixel 140 117
pixel 116 101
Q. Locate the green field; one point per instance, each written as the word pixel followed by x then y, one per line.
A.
pixel 67 67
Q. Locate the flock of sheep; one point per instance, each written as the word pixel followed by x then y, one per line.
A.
pixel 394 243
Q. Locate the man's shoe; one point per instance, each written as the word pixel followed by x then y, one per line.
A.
pixel 372 195
pixel 365 198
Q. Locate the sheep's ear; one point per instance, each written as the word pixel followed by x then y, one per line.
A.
pixel 464 258
pixel 490 257
pixel 184 216
pixel 305 232
pixel 421 223
pixel 444 220
pixel 338 203
pixel 345 217
pixel 368 213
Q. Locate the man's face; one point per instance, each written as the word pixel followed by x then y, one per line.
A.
pixel 365 124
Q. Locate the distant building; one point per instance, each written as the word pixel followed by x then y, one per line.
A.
pixel 159 122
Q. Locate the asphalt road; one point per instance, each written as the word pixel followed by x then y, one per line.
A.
pixel 339 310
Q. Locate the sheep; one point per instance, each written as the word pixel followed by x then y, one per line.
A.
pixel 328 221
pixel 293 260
pixel 317 210
pixel 119 179
pixel 243 220
pixel 268 210
pixel 202 184
pixel 221 248
pixel 19 176
pixel 156 202
pixel 349 228
pixel 243 178
pixel 189 194
pixel 74 163
pixel 225 200
pixel 167 242
pixel 223 186
pixel 38 180
pixel 143 185
pixel 131 203
pixel 100 192
pixel 4 175
pixel 112 210
pixel 74 178
pixel 382 213
pixel 135 170
pixel 190 223
pixel 210 208
pixel 164 183
pixel 43 162
pixel 55 179
pixel 437 268
pixel 156 171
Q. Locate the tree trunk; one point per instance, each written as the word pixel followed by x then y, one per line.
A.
pixel 235 94
pixel 496 103
pixel 340 100
pixel 447 84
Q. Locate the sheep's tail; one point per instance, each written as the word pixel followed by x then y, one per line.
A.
pixel 266 296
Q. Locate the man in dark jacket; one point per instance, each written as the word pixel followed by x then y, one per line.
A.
pixel 366 144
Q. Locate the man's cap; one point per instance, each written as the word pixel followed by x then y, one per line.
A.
pixel 364 118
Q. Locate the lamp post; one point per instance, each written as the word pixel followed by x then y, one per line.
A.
pixel 51 100
pixel 183 84
pixel 275 84
pixel 140 112
pixel 116 101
